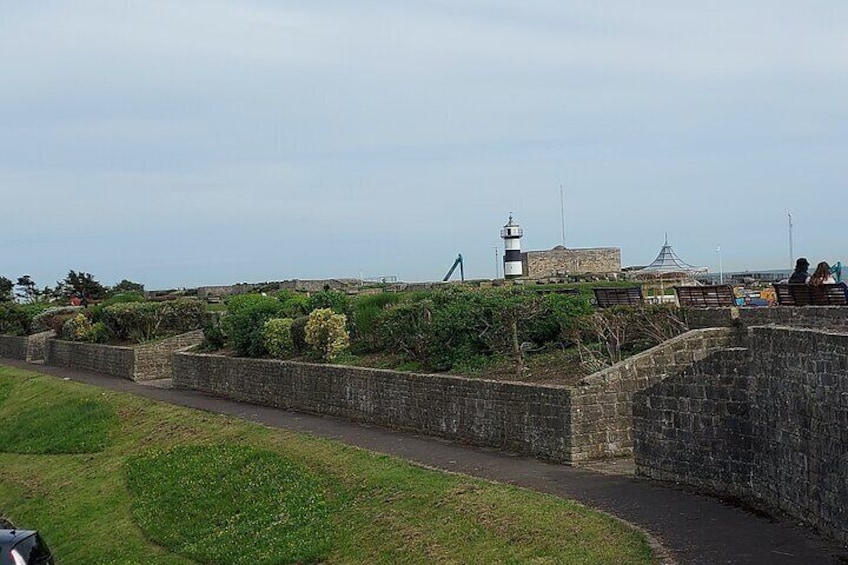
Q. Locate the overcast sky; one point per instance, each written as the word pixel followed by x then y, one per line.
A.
pixel 182 143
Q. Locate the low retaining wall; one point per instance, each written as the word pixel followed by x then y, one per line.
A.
pixel 108 359
pixel 13 347
pixel 695 427
pixel 562 424
pixel 602 403
pixel 774 430
pixel 142 362
pixel 27 348
pixel 528 419
pixel 830 317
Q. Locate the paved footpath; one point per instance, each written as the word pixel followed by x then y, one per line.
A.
pixel 693 528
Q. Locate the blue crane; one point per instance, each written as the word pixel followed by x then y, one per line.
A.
pixel 453 268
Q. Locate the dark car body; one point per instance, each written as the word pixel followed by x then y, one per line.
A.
pixel 23 547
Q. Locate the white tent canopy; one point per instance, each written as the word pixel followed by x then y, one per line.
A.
pixel 668 262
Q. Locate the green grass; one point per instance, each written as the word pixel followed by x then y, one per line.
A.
pixel 223 495
pixel 171 479
pixel 40 423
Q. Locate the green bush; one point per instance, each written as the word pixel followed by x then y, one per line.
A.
pixel 367 313
pixel 143 321
pixel 98 333
pixel 14 320
pixel 121 298
pixel 336 301
pixel 326 333
pixel 53 318
pixel 244 323
pixel 453 326
pixel 298 333
pixel 293 303
pixel 278 337
pixel 214 337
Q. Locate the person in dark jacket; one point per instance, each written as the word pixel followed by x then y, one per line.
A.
pixel 800 276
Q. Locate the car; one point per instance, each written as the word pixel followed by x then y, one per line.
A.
pixel 23 547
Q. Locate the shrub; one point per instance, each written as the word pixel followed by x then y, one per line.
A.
pixel 406 328
pixel 607 336
pixel 143 321
pixel 76 328
pixel 14 320
pixel 336 301
pixel 278 337
pixel 367 313
pixel 298 333
pixel 214 337
pixel 244 322
pixel 53 318
pixel 121 298
pixel 293 303
pixel 98 333
pixel 326 333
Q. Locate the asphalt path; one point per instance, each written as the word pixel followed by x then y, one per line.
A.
pixel 692 528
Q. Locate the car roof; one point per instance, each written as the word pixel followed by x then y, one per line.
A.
pixel 12 537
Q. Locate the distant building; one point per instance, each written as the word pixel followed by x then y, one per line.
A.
pixel 562 261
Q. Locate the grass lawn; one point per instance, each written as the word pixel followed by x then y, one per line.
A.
pixel 114 478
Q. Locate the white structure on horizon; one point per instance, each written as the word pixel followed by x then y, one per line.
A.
pixel 511 234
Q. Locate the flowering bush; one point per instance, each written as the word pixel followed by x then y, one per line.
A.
pixel 76 328
pixel 326 333
pixel 54 319
pixel 278 337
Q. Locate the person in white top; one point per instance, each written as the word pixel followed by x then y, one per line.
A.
pixel 822 275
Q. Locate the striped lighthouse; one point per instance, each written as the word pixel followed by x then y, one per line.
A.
pixel 511 234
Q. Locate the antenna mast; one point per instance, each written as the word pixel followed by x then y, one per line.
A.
pixel 562 213
pixel 791 244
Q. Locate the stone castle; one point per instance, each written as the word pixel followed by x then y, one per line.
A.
pixel 562 261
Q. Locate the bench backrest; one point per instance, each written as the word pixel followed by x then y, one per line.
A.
pixel 811 295
pixel 705 296
pixel 618 296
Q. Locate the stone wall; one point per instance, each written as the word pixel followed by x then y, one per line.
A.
pixel 13 347
pixel 602 403
pixel 695 427
pixel 28 348
pixel 532 420
pixel 775 431
pixel 831 317
pixel 561 261
pixel 141 362
pixel 112 360
pixel 800 420
pixel 155 361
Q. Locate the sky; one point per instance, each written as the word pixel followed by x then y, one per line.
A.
pixel 180 143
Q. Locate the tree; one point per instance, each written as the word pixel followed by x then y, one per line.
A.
pixel 27 290
pixel 6 287
pixel 82 285
pixel 127 286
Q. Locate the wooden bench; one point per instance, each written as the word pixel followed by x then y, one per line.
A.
pixel 708 296
pixel 811 295
pixel 618 296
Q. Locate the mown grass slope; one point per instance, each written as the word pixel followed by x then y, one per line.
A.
pixel 168 485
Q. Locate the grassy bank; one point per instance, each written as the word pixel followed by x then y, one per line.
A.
pixel 113 478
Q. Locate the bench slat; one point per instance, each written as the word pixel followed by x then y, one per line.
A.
pixel 618 296
pixel 811 295
pixel 705 296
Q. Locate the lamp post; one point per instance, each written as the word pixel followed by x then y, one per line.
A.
pixel 720 268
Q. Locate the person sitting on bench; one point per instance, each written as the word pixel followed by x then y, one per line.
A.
pixel 822 275
pixel 800 276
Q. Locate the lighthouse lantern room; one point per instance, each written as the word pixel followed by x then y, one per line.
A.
pixel 511 234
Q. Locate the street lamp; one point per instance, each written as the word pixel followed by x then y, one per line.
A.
pixel 720 268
